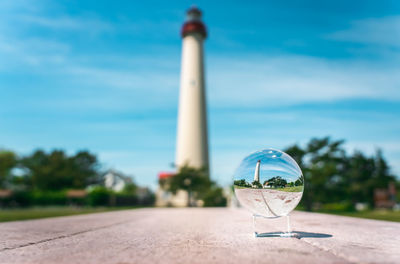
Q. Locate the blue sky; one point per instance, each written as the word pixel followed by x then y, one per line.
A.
pixel 104 76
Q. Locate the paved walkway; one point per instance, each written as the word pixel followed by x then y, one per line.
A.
pixel 196 236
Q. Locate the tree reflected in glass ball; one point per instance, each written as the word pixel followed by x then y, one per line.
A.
pixel 269 183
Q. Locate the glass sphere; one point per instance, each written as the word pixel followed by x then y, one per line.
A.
pixel 269 183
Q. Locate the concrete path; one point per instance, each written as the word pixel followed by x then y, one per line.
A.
pixel 197 236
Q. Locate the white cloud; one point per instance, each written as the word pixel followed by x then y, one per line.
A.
pixel 23 16
pixel 18 5
pixel 86 24
pixel 380 31
pixel 125 78
pixel 22 54
pixel 236 81
pixel 288 79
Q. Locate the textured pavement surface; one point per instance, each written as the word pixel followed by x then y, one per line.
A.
pixel 197 235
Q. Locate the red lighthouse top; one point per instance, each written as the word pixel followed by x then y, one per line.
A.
pixel 193 23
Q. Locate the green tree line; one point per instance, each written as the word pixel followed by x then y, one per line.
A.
pixel 334 176
pixel 48 171
pixel 44 178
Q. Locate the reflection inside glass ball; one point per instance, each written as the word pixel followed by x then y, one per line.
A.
pixel 269 183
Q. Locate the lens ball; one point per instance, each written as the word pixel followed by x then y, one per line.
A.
pixel 269 183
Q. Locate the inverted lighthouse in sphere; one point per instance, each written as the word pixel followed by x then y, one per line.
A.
pixel 192 141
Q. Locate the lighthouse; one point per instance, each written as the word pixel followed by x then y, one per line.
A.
pixel 192 140
pixel 257 172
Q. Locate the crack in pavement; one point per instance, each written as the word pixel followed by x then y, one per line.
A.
pixel 63 236
pixel 329 250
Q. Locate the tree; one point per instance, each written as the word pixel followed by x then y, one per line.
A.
pixel 85 169
pixel 331 176
pixel 321 163
pixel 197 184
pixel 365 174
pixel 241 183
pixel 276 182
pixel 214 197
pixel 57 171
pixel 192 180
pixel 8 161
pixel 130 188
pixel 298 182
pixel 256 184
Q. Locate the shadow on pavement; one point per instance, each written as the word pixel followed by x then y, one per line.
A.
pixel 295 234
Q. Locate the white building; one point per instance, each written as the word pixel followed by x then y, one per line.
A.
pixel 115 180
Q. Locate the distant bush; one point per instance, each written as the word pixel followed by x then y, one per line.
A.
pixel 49 198
pixel 214 197
pixel 34 198
pixel 131 199
pixel 5 201
pixel 147 200
pixel 122 199
pixel 19 198
pixel 99 196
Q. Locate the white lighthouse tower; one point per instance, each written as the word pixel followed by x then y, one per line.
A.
pixel 257 172
pixel 192 141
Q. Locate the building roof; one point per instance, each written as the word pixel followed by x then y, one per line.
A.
pixel 165 175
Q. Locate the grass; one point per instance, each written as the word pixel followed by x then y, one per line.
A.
pixel 285 189
pixel 241 187
pixel 7 215
pixel 347 210
pixel 387 215
pixel 290 189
